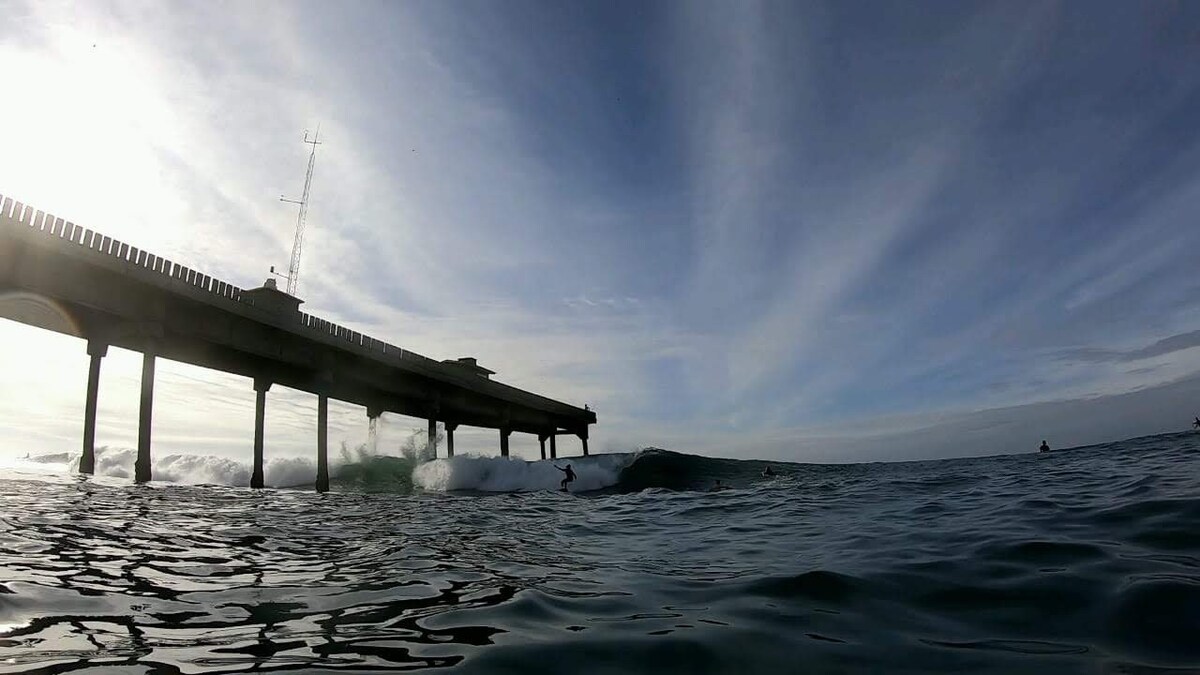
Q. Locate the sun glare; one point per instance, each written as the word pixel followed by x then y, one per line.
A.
pixel 84 140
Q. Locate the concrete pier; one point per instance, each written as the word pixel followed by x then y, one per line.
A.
pixel 322 443
pixel 261 387
pixel 141 468
pixel 374 413
pixel 87 461
pixel 114 294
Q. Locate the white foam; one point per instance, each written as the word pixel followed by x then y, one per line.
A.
pixel 505 474
pixel 486 474
pixel 192 469
pixel 55 464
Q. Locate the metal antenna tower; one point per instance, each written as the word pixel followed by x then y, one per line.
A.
pixel 293 276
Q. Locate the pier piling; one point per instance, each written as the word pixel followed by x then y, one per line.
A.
pixel 322 443
pixel 542 444
pixel 504 433
pixel 450 427
pixel 141 467
pixel 553 447
pixel 87 461
pixel 261 387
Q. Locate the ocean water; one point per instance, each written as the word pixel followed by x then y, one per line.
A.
pixel 1078 561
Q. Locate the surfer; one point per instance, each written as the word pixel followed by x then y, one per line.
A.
pixel 1196 422
pixel 768 473
pixel 718 486
pixel 570 477
pixel 1044 448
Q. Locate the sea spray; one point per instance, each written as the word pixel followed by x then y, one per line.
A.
pixel 117 462
pixel 373 435
pixel 360 468
pixel 417 446
pixel 363 470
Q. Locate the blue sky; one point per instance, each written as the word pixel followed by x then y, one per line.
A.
pixel 735 228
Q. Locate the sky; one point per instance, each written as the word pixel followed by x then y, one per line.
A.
pixel 802 231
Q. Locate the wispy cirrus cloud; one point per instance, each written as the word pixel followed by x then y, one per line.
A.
pixel 709 222
pixel 1163 347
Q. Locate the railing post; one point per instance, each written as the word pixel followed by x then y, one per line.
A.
pixel 87 461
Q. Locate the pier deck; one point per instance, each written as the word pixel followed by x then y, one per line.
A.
pixel 62 277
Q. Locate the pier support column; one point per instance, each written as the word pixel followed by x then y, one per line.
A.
pixel 322 443
pixel 542 443
pixel 553 446
pixel 583 438
pixel 374 414
pixel 504 433
pixel 260 416
pixel 431 439
pixel 141 466
pixel 450 427
pixel 87 461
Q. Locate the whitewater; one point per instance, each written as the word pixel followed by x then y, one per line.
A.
pixel 360 468
pixel 1078 561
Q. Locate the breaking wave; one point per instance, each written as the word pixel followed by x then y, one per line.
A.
pixel 503 474
pixel 363 470
pixel 116 462
pixel 620 472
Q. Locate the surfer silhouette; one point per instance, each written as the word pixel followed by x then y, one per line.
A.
pixel 1044 448
pixel 768 473
pixel 570 477
pixel 1196 423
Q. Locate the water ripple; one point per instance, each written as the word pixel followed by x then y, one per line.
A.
pixel 1078 562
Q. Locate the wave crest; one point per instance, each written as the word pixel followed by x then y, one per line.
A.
pixel 361 469
pixel 505 474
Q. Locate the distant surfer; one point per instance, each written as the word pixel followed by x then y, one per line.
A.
pixel 567 479
pixel 1044 448
pixel 1196 422
pixel 718 486
pixel 768 473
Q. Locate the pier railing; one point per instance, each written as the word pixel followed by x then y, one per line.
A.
pixel 157 270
